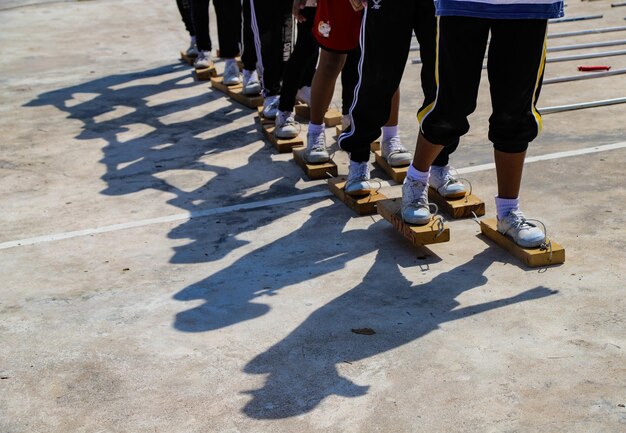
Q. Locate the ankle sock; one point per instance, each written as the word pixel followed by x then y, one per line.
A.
pixel 506 205
pixel 390 132
pixel 420 176
pixel 316 129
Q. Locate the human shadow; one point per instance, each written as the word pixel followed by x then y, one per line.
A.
pixel 301 369
pixel 234 294
pixel 148 139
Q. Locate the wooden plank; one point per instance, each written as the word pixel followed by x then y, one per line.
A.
pixel 236 93
pixel 282 145
pixel 458 208
pixel 331 118
pixel 418 235
pixel 205 74
pixel 186 59
pixel 532 257
pixel 303 111
pixel 314 171
pixel 365 205
pixel 396 173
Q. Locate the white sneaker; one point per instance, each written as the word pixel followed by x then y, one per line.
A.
pixel 231 73
pixel 203 61
pixel 395 153
pixel 192 51
pixel 415 206
pixel 316 152
pixel 443 182
pixel 304 95
pixel 523 233
pixel 286 126
pixel 358 179
pixel 251 84
pixel 270 107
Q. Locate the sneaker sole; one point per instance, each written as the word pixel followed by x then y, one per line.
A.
pixel 455 195
pixel 359 192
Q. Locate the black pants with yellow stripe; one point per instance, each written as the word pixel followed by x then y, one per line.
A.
pixel 386 34
pixel 515 65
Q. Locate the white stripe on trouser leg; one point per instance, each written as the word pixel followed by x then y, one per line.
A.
pixel 357 87
pixel 257 44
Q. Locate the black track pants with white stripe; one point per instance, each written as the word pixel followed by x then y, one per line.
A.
pixel 386 33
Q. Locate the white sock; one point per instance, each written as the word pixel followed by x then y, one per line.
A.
pixel 390 132
pixel 506 205
pixel 420 176
pixel 316 129
pixel 193 40
pixel 229 62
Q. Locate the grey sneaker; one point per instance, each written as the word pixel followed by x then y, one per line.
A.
pixel 415 206
pixel 316 152
pixel 203 61
pixel 251 84
pixel 446 185
pixel 192 51
pixel 523 233
pixel 270 106
pixel 286 126
pixel 231 73
pixel 358 179
pixel 395 153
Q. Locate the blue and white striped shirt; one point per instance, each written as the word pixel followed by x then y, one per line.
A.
pixel 501 9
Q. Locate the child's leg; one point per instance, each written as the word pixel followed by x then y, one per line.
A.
pixel 185 13
pixel 200 18
pixel 228 15
pixel 304 53
pixel 248 56
pixel 392 149
pixel 323 86
pixel 386 39
pixel 516 64
pixel 460 52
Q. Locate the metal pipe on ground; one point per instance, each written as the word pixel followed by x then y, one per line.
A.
pixel 582 105
pixel 616 5
pixel 568 58
pixel 584 76
pixel 579 18
pixel 589 45
pixel 587 32
pixel 586 56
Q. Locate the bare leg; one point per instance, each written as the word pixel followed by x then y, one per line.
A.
pixel 509 167
pixel 323 86
pixel 395 109
pixel 425 153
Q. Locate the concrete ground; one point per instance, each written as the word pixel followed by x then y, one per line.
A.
pixel 120 313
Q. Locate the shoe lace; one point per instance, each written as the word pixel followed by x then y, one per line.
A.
pixel 395 146
pixel 417 191
pixel 318 142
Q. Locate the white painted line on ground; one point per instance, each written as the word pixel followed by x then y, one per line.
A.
pixel 549 156
pixel 165 219
pixel 272 202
